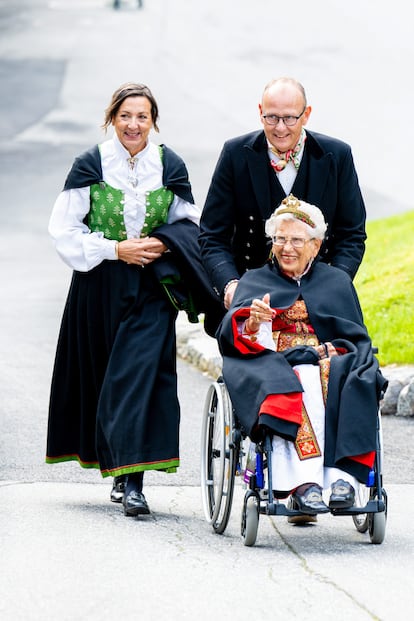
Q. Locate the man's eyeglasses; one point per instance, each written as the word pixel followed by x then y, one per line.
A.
pixel 296 242
pixel 273 119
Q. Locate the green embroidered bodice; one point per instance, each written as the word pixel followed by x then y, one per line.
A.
pixel 106 212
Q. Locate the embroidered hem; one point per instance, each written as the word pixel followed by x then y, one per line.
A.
pixel 170 465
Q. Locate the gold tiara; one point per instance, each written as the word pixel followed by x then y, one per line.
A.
pixel 292 206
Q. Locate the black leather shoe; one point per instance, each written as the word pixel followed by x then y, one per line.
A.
pixel 310 502
pixel 300 518
pixel 135 504
pixel 118 488
pixel 342 496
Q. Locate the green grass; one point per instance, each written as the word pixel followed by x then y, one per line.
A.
pixel 385 285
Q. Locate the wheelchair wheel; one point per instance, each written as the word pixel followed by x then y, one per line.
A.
pixel 361 499
pixel 377 521
pixel 250 518
pixel 218 457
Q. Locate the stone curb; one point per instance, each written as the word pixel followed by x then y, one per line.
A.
pixel 199 350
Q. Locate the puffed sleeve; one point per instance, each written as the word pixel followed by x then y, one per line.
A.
pixel 183 210
pixel 78 247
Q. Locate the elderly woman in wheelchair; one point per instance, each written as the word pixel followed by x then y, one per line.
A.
pixel 298 364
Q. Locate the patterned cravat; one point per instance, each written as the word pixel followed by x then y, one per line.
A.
pixel 291 155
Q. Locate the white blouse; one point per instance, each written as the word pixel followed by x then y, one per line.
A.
pixel 81 249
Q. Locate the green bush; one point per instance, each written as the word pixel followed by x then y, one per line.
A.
pixel 385 285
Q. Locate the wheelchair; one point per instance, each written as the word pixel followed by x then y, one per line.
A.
pixel 223 458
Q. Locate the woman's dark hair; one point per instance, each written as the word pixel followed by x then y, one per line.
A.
pixel 130 89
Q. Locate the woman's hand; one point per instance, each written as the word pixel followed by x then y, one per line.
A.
pixel 141 251
pixel 260 312
pixel 326 350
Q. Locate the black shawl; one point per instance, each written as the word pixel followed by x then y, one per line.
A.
pixel 355 381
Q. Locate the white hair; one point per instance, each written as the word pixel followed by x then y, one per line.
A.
pixel 312 212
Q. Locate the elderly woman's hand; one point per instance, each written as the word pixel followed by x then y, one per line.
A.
pixel 326 350
pixel 260 312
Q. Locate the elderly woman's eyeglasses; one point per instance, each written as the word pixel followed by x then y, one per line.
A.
pixel 273 119
pixel 296 242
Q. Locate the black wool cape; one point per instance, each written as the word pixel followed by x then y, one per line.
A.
pixel 355 382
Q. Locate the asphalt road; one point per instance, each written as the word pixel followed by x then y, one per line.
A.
pixel 66 551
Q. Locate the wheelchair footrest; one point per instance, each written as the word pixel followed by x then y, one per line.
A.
pixel 277 508
pixel 373 506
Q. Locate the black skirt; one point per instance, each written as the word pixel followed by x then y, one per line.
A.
pixel 113 402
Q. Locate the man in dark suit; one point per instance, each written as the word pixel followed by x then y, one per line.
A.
pixel 255 172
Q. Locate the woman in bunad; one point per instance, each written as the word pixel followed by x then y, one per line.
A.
pixel 124 221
